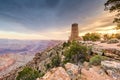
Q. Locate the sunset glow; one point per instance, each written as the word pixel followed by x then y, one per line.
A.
pixel 45 23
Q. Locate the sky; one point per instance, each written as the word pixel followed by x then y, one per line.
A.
pixel 52 19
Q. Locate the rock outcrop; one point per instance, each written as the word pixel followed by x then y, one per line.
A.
pixel 38 62
pixel 5 62
pixel 112 68
pixel 109 52
pixel 72 70
pixel 69 72
pixel 93 74
pixel 112 41
pixel 56 74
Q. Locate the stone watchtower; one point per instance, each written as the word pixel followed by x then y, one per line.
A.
pixel 74 32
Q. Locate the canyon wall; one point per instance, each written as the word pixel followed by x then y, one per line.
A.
pixel 38 62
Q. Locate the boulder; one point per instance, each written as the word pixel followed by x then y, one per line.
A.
pixel 113 53
pixel 86 65
pixel 118 45
pixel 113 41
pixel 112 68
pixel 72 68
pixel 58 73
pixel 98 50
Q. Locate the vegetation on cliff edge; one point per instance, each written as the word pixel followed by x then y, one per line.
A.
pixel 96 60
pixel 28 74
pixel 75 53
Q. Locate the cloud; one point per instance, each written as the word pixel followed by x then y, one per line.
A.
pixel 21 36
pixel 52 18
pixel 99 22
pixel 36 15
pixel 52 3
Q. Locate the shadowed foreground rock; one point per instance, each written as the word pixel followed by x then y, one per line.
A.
pixel 71 73
pixel 59 73
pixel 112 68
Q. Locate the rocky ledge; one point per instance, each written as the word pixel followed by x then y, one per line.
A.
pixel 112 68
pixel 55 74
pixel 38 62
pixel 74 72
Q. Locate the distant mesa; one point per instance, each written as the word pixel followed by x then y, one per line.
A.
pixel 75 33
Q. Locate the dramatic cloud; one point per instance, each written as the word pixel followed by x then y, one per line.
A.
pixel 101 22
pixel 51 18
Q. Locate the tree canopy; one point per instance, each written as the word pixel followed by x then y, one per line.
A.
pixel 75 53
pixel 114 6
pixel 91 37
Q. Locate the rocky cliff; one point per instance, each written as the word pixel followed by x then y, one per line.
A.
pixel 71 71
pixel 38 62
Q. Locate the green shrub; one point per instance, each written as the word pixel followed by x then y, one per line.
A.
pixel 28 74
pixel 48 66
pixel 75 53
pixel 55 62
pixel 91 37
pixel 66 44
pixel 96 60
pixel 108 37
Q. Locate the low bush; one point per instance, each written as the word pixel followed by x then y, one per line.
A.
pixel 96 60
pixel 56 61
pixel 75 53
pixel 91 37
pixel 48 66
pixel 28 74
pixel 66 44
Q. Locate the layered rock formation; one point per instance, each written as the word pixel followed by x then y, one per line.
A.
pixel 112 68
pixel 67 72
pixel 5 62
pixel 56 74
pixel 38 62
pixel 109 50
pixel 71 72
pixel 112 51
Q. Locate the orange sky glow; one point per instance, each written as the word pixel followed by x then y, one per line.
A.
pixel 101 23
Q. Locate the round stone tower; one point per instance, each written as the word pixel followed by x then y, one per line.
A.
pixel 74 32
